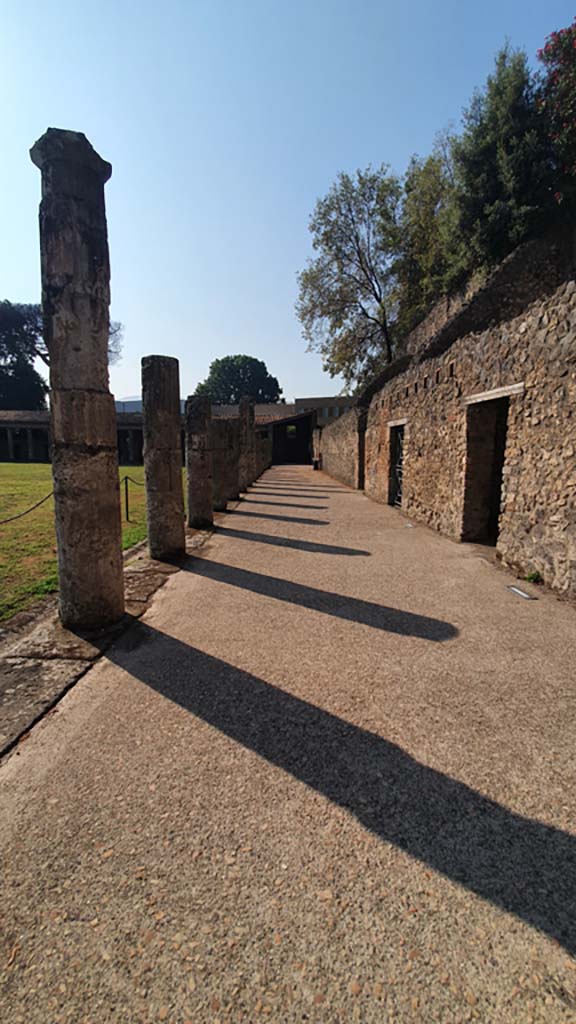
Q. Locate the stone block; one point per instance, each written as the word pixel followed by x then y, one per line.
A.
pixel 83 418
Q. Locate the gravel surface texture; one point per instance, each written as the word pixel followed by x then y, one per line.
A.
pixel 40 660
pixel 328 776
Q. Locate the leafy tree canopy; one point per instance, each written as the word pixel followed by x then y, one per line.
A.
pixel 21 342
pixel 346 289
pixel 21 387
pixel 232 377
pixel 503 163
pixel 386 249
pixel 430 248
pixel 558 102
pixel 21 333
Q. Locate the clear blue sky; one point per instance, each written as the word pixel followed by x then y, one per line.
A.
pixel 224 120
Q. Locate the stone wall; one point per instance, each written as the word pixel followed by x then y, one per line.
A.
pixel 339 445
pixel 263 457
pixel 531 357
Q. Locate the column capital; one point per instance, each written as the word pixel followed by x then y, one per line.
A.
pixel 69 163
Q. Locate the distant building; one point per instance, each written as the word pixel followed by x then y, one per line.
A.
pixel 130 405
pixel 327 409
pixel 25 436
pixel 263 413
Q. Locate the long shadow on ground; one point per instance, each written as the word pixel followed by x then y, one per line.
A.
pixel 301 486
pixel 287 486
pixel 367 613
pixel 521 865
pixel 281 504
pixel 301 521
pixel 289 542
pixel 285 494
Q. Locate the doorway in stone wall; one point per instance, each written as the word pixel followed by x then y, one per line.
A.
pixel 486 428
pixel 396 465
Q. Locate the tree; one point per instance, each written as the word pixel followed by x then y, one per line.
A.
pixel 430 251
pixel 21 332
pixel 503 164
pixel 232 377
pixel 21 387
pixel 21 342
pixel 345 291
pixel 558 104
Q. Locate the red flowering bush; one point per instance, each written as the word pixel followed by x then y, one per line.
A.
pixel 558 97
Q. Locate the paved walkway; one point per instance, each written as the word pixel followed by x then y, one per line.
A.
pixel 329 777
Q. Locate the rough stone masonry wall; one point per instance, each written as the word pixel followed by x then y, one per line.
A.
pixel 339 445
pixel 263 451
pixel 537 348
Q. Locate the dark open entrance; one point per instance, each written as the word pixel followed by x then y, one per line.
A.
pixel 486 425
pixel 396 465
pixel 292 440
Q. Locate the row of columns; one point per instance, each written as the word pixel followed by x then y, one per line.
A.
pixel 32 444
pixel 13 435
pixel 220 457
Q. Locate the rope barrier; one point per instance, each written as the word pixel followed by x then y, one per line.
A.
pixel 31 509
pixel 125 479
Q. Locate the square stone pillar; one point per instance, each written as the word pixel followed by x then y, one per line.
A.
pixel 75 301
pixel 163 457
pixel 199 461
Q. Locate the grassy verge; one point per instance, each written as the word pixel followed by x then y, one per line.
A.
pixel 28 545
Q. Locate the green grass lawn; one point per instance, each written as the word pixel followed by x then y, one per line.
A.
pixel 28 545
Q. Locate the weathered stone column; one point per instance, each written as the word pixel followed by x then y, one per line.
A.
pixel 218 444
pixel 163 457
pixel 247 441
pixel 199 461
pixel 233 461
pixel 75 300
pixel 224 462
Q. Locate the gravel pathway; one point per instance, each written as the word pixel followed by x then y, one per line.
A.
pixel 329 776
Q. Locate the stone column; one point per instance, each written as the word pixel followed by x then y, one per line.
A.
pixel 246 469
pixel 163 457
pixel 29 444
pixel 75 300
pixel 199 461
pixel 233 461
pixel 225 450
pixel 220 444
pixel 10 436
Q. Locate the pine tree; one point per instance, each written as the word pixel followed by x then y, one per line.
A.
pixel 503 162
